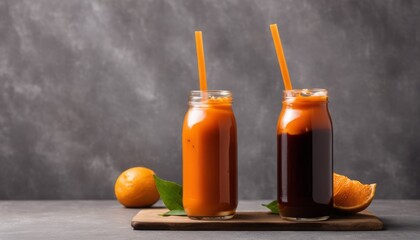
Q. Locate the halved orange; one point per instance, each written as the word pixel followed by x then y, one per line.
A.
pixel 352 196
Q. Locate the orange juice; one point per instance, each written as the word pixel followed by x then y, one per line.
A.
pixel 209 153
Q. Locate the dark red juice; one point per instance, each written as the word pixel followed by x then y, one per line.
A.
pixel 305 173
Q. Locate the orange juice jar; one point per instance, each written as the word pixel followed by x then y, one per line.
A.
pixel 209 155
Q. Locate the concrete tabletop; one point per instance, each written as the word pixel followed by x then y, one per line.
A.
pixel 109 220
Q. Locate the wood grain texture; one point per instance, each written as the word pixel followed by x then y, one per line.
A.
pixel 149 219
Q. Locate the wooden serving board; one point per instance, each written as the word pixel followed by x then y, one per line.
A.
pixel 149 219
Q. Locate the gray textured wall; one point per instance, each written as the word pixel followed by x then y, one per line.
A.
pixel 90 88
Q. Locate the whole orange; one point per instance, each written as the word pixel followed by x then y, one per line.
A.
pixel 136 187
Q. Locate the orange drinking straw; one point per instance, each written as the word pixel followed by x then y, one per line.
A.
pixel 280 56
pixel 200 60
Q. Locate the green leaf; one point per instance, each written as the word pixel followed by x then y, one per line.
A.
pixel 170 193
pixel 273 206
pixel 174 213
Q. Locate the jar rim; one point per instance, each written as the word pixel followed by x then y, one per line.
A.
pixel 222 92
pixel 305 95
pixel 210 96
pixel 306 92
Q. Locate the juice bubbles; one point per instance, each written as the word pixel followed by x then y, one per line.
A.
pixel 209 155
pixel 304 156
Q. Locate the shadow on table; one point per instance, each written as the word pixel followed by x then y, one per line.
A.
pixel 395 223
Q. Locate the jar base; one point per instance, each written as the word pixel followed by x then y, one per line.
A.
pixel 223 215
pixel 227 217
pixel 312 219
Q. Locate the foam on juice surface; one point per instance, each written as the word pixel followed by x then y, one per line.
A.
pixel 304 111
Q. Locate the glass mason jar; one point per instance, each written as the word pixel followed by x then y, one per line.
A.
pixel 305 156
pixel 209 156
